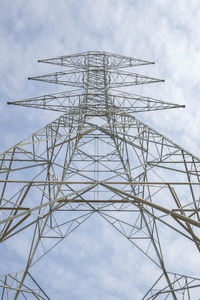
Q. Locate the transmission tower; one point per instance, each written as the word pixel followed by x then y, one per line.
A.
pixel 98 158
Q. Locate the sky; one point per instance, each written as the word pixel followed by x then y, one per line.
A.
pixel 98 261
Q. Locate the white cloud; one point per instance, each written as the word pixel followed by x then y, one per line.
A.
pixel 164 31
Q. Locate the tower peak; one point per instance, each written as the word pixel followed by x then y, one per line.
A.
pixel 96 58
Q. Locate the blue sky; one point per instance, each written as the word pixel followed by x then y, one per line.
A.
pixel 165 31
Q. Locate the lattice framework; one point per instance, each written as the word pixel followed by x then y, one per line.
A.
pixel 97 158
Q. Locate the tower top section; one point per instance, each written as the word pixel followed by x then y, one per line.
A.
pixel 96 75
pixel 96 59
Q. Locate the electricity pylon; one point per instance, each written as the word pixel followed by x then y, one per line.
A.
pixel 97 158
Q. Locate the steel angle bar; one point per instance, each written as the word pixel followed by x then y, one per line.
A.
pixel 49 203
pixel 153 205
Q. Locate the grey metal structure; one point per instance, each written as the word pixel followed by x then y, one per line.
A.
pixel 98 158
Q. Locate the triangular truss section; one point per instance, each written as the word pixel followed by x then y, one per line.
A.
pixel 120 103
pixel 185 287
pixel 30 290
pixel 97 158
pixel 94 59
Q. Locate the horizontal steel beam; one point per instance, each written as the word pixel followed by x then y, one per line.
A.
pixel 100 182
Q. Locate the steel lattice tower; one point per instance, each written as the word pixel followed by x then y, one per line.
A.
pixel 98 158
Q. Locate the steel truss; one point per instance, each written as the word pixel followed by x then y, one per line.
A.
pixel 97 158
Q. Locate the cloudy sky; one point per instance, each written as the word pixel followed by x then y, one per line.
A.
pixel 164 31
